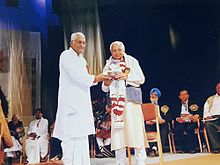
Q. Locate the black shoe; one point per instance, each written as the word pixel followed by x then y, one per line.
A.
pixel 155 151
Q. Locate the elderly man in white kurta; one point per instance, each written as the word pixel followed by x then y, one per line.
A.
pixel 74 119
pixel 133 132
pixel 212 116
pixel 36 145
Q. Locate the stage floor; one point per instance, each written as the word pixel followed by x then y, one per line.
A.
pixel 169 159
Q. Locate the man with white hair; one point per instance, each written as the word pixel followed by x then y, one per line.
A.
pixel 74 119
pixel 132 134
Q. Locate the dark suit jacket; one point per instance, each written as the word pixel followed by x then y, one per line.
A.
pixel 176 111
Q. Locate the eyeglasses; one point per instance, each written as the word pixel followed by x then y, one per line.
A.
pixel 117 50
pixel 80 42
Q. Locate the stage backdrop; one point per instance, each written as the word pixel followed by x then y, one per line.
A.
pixel 20 70
pixel 82 15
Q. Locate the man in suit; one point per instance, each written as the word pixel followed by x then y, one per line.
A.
pixel 185 118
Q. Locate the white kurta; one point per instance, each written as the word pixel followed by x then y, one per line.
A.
pixel 133 134
pixel 74 114
pixel 214 109
pixel 39 146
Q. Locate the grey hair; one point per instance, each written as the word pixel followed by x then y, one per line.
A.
pixel 118 43
pixel 76 34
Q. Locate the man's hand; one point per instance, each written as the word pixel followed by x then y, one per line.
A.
pixel 108 82
pixel 150 122
pixel 101 77
pixel 162 121
pixel 179 120
pixel 121 76
pixel 209 117
pixel 32 135
pixel 195 118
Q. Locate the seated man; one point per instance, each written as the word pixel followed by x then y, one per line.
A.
pixel 36 147
pixel 103 134
pixel 185 123
pixel 212 117
pixel 163 120
pixel 17 130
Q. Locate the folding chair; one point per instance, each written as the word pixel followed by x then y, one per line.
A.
pixel 22 140
pixel 151 112
pixel 197 131
pixel 206 137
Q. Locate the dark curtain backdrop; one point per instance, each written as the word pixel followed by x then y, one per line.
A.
pixel 176 43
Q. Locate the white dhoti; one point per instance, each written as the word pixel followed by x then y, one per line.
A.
pixel 76 151
pixel 132 135
pixel 10 152
pixel 36 149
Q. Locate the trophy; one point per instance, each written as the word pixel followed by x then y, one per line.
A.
pixel 112 68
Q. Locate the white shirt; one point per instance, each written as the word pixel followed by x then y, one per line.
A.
pixel 185 108
pixel 39 126
pixel 215 109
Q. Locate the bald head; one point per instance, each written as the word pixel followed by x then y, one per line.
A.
pixel 15 118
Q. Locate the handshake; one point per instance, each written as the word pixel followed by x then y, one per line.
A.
pixel 101 77
pixel 108 78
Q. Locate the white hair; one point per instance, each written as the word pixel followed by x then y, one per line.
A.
pixel 76 34
pixel 117 43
